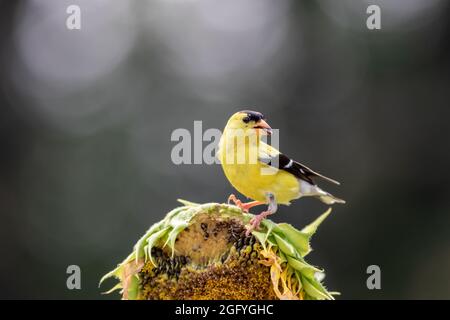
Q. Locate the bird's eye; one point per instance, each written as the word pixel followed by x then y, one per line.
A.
pixel 246 119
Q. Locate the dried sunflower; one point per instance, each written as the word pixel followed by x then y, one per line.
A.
pixel 200 251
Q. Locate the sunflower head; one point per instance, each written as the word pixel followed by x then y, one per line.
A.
pixel 200 251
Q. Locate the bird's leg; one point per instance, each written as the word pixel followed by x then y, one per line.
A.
pixel 248 205
pixel 256 221
pixel 244 206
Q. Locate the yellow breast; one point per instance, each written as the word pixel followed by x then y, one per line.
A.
pixel 255 179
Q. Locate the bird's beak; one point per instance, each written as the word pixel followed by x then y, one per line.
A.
pixel 261 124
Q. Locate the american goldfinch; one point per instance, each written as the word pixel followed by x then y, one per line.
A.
pixel 262 173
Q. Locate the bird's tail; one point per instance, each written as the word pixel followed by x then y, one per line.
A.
pixel 329 199
pixel 307 189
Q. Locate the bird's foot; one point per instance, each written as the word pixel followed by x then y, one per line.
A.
pixel 256 221
pixel 243 206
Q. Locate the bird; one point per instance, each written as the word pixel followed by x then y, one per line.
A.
pixel 262 173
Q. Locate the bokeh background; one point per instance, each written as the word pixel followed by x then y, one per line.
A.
pixel 86 117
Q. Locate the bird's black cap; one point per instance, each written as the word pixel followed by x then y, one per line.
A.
pixel 252 116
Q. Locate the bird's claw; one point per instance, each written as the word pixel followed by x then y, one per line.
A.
pixel 255 222
pixel 243 206
pixel 238 203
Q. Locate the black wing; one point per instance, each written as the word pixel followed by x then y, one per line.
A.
pixel 299 170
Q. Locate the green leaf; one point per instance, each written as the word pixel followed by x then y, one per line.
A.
pixel 183 217
pixel 318 285
pixel 283 257
pixel 261 237
pixel 115 288
pixel 173 236
pixel 271 240
pixel 301 265
pixel 117 272
pixel 314 292
pixel 298 278
pixel 114 273
pixel 285 246
pixel 301 239
pixel 269 225
pixel 172 214
pixel 310 229
pixel 140 245
pixel 152 240
pixel 187 203
pixel 298 239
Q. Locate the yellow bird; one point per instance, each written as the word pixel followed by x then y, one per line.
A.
pixel 262 173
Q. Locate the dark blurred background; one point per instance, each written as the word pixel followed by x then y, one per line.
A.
pixel 86 117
